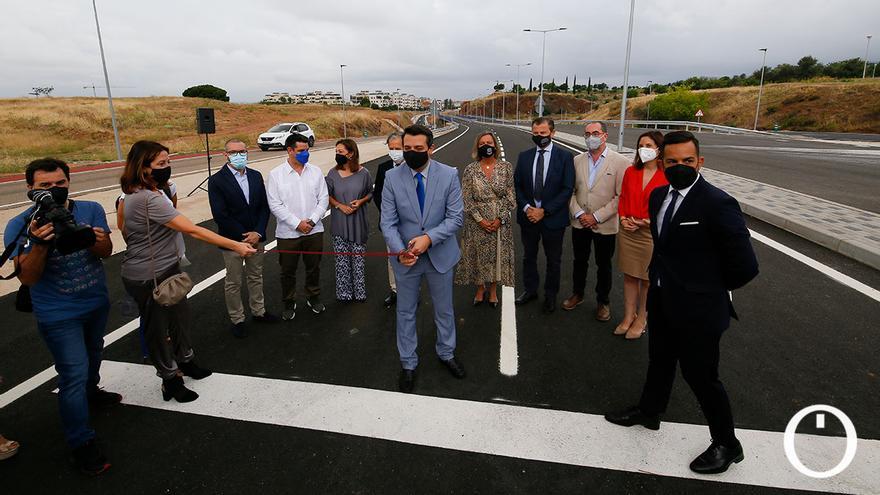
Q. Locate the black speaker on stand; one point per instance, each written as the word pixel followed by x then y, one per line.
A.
pixel 205 125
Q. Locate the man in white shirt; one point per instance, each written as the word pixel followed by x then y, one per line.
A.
pixel 297 194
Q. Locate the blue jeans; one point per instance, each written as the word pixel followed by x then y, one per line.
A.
pixel 76 345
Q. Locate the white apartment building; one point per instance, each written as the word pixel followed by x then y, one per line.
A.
pixel 386 98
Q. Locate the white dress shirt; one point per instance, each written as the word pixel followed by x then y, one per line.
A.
pixel 294 197
pixel 242 179
pixel 547 151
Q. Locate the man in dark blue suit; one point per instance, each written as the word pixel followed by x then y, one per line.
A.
pixel 702 250
pixel 238 203
pixel 544 181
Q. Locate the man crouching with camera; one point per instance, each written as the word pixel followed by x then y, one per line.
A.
pixel 61 243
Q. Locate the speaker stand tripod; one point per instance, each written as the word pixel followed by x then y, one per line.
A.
pixel 202 183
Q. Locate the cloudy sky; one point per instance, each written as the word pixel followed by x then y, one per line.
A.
pixel 443 49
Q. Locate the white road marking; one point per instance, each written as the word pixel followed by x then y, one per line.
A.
pixel 821 268
pixel 824 152
pixel 453 139
pixel 518 432
pixel 508 361
pixel 47 374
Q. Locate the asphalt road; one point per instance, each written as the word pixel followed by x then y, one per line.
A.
pixel 841 172
pixel 802 339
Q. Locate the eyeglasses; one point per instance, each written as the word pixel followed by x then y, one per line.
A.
pixel 239 152
pixel 594 133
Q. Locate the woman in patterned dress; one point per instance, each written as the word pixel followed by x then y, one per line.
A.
pixel 487 235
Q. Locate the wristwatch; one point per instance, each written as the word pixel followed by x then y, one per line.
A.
pixel 310 222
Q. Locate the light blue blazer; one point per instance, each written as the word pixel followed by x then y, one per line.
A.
pixel 443 216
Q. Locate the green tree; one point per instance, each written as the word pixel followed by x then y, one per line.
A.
pixel 499 87
pixel 365 102
pixel 206 91
pixel 679 104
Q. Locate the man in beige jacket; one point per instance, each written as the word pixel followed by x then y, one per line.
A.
pixel 593 208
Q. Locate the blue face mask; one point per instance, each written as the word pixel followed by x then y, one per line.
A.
pixel 302 157
pixel 238 161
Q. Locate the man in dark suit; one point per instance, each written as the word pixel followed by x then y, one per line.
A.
pixel 394 141
pixel 238 202
pixel 702 250
pixel 544 181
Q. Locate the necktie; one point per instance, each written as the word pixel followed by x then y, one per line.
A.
pixel 667 217
pixel 420 191
pixel 539 177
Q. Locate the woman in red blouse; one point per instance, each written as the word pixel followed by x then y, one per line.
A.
pixel 634 239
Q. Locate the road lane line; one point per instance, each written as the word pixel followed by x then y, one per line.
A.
pixel 508 361
pixel 47 374
pixel 519 432
pixel 453 139
pixel 820 267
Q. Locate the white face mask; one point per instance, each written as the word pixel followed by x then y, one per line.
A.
pixel 593 142
pixel 647 154
pixel 396 155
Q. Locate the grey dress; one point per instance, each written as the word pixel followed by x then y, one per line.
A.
pixel 352 228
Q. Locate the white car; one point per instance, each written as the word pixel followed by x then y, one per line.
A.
pixel 277 135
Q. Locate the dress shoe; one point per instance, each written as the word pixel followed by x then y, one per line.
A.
pixel 89 460
pixel 266 317
pixel 717 458
pixel 454 367
pixel 524 298
pixel 407 381
pixel 634 416
pixel 99 397
pixel 390 299
pixel 549 305
pixel 572 302
pixel 603 312
pixel 239 330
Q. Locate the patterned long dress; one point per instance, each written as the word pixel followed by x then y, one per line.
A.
pixel 487 257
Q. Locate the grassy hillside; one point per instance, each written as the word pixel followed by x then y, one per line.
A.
pixel 838 106
pixel 79 129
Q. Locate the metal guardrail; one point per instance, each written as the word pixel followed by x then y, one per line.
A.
pixel 656 124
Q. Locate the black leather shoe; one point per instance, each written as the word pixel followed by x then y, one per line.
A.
pixel 717 458
pixel 634 416
pixel 98 397
pixel 407 381
pixel 390 299
pixel 239 330
pixel 455 368
pixel 549 305
pixel 524 298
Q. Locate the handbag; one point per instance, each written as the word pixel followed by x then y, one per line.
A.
pixel 173 289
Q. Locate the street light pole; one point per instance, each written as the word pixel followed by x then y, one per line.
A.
pixel 519 86
pixel 867 46
pixel 399 115
pixel 649 99
pixel 632 10
pixel 107 83
pixel 760 87
pixel 342 80
pixel 543 55
pixel 503 98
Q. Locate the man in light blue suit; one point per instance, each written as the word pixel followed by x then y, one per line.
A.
pixel 422 210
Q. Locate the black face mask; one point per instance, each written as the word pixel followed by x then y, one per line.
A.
pixel 486 150
pixel 341 159
pixel 161 175
pixel 680 176
pixel 542 141
pixel 415 159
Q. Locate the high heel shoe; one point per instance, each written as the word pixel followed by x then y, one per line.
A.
pixel 634 332
pixel 174 389
pixel 622 328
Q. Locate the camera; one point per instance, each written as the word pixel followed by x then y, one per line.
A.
pixel 69 237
